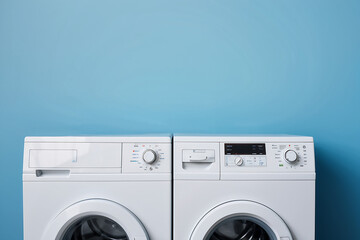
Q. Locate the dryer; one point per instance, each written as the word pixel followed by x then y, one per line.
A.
pixel 244 187
pixel 97 188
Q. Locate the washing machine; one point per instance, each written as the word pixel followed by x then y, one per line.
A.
pixel 97 188
pixel 244 188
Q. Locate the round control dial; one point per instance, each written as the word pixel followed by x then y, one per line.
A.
pixel 149 156
pixel 238 161
pixel 290 156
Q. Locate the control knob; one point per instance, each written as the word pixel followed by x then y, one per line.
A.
pixel 149 156
pixel 238 161
pixel 290 156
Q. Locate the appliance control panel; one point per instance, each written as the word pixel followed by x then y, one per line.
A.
pixel 245 154
pixel 291 156
pixel 268 156
pixel 146 158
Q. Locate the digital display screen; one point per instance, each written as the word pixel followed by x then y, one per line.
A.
pixel 245 149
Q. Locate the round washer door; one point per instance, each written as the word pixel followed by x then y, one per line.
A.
pixel 96 219
pixel 243 220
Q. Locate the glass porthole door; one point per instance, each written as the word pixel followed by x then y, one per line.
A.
pixel 240 227
pixel 96 219
pixel 241 220
pixel 95 227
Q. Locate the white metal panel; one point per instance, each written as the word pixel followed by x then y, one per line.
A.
pixel 107 139
pixel 241 138
pixel 95 176
pixel 62 155
pixel 149 201
pixel 293 201
pixel 47 158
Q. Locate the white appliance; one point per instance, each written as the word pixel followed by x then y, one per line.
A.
pixel 244 187
pixel 97 188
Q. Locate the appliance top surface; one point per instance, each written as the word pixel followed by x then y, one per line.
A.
pixel 159 138
pixel 241 138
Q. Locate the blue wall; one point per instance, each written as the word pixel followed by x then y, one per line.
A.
pixel 123 67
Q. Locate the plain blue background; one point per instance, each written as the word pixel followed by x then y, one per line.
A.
pixel 125 67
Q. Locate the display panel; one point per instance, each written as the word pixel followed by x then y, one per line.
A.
pixel 245 149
